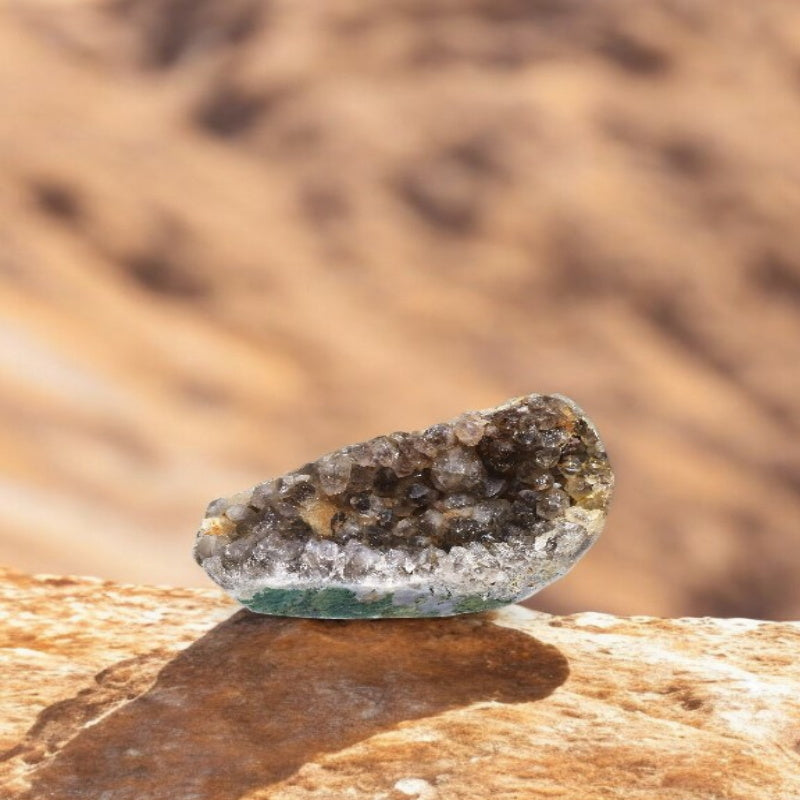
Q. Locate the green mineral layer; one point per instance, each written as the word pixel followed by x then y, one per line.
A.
pixel 339 603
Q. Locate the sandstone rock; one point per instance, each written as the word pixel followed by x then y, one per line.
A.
pixel 119 692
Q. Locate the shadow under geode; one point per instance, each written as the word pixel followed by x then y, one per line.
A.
pixel 257 697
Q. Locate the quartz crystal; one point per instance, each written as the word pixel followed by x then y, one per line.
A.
pixel 464 516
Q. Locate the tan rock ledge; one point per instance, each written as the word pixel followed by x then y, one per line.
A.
pixel 130 693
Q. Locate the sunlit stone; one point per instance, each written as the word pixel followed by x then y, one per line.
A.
pixel 463 516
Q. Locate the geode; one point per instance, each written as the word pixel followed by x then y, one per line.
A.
pixel 464 516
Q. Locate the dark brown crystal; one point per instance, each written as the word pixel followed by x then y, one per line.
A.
pixel 475 478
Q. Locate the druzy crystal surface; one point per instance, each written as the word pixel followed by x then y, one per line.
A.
pixel 464 516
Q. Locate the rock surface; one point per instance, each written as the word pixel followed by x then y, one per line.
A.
pixel 121 692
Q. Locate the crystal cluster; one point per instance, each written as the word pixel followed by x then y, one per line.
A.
pixel 466 515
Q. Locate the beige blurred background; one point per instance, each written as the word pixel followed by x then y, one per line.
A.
pixel 235 234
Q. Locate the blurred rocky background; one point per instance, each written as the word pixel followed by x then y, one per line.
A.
pixel 235 234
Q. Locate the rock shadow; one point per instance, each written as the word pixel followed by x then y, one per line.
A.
pixel 257 697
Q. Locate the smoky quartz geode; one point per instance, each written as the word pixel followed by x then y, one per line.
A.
pixel 466 515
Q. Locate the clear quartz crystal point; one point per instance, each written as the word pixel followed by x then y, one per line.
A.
pixel 467 515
